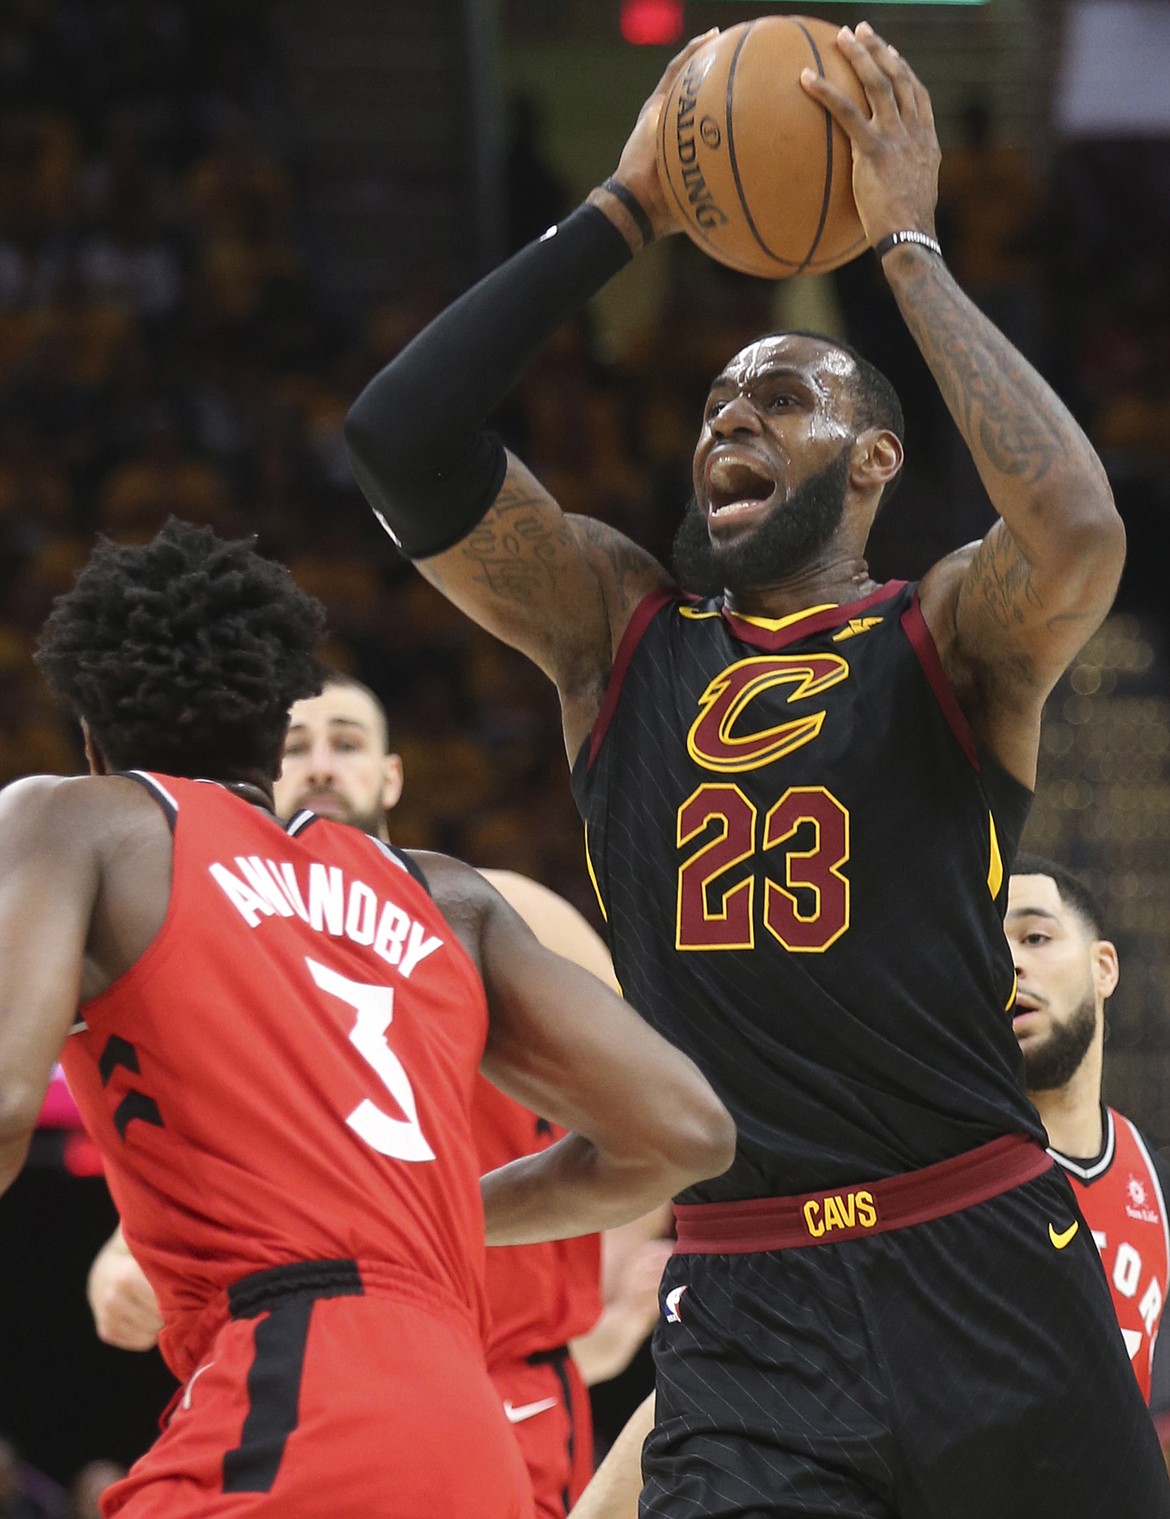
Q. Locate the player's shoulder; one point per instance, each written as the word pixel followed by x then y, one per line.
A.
pixel 460 892
pixel 85 803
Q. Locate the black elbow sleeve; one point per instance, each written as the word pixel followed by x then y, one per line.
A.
pixel 425 504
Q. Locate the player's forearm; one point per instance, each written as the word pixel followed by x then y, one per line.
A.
pixel 415 434
pixel 1039 469
pixel 574 1188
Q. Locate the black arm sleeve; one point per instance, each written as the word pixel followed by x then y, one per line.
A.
pixel 415 434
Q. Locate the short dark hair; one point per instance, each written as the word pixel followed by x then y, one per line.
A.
pixel 184 654
pixel 1071 889
pixel 332 677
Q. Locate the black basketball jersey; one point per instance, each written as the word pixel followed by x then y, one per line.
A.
pixel 802 856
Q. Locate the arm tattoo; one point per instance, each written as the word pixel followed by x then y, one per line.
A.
pixel 1011 420
pixel 516 553
pixel 625 567
pixel 999 578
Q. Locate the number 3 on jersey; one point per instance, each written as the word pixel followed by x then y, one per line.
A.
pixel 400 1138
pixel 807 914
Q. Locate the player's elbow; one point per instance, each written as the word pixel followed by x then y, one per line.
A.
pixel 20 1107
pixel 698 1141
pixel 19 1110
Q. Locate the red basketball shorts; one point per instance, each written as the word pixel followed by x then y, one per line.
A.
pixel 547 1405
pixel 328 1394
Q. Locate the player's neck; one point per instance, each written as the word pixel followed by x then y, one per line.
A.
pixel 1072 1113
pixel 836 582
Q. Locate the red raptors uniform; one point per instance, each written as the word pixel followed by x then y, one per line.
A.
pixel 281 1087
pixel 1121 1196
pixel 539 1298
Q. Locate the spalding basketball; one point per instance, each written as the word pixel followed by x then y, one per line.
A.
pixel 759 171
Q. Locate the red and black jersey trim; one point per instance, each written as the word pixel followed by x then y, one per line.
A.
pixel 170 808
pixel 644 614
pixel 922 642
pixel 772 640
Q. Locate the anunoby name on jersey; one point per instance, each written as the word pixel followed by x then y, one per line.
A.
pixel 343 908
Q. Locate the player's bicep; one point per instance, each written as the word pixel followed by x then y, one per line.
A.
pixel 1018 614
pixel 521 573
pixel 49 880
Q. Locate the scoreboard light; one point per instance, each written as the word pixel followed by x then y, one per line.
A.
pixel 652 23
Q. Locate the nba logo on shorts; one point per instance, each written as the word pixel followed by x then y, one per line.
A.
pixel 670 1307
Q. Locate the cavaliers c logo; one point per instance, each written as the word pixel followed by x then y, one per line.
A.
pixel 713 741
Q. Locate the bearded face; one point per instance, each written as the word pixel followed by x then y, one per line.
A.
pixel 1053 1061
pixel 789 537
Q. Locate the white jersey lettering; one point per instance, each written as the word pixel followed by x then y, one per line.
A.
pixel 343 908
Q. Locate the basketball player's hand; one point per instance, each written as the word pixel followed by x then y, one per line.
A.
pixel 895 149
pixel 125 1311
pixel 638 167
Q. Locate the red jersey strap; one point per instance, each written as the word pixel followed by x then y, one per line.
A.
pixel 853 1212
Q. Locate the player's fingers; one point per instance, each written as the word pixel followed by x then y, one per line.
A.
pixel 908 88
pixel 845 112
pixel 859 48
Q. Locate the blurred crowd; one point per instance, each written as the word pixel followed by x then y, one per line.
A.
pixel 164 348
pixel 26 1493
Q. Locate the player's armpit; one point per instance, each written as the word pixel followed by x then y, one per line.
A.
pixel 49 877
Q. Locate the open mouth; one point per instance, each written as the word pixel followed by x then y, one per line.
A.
pixel 1023 1006
pixel 735 486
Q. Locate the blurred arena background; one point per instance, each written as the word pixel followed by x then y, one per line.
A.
pixel 218 220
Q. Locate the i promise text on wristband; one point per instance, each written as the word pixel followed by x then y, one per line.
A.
pixel 907 235
pixel 633 205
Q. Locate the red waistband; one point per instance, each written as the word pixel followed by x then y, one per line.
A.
pixel 873 1207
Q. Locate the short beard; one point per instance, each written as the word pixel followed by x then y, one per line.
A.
pixel 791 536
pixel 1054 1063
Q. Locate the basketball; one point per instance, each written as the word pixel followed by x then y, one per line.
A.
pixel 761 173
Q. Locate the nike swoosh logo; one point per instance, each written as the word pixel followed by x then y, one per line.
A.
pixel 526 1410
pixel 191 1384
pixel 1060 1240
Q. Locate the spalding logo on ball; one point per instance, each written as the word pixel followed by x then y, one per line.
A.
pixel 761 173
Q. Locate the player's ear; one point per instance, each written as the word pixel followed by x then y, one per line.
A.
pixel 1106 970
pixel 392 778
pixel 877 458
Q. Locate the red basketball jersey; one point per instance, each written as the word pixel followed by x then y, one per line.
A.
pixel 539 1296
pixel 1120 1195
pixel 286 1073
